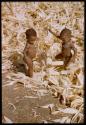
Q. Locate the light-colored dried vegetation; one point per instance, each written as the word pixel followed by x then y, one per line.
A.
pixel 66 85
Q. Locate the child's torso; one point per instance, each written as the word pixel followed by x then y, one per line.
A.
pixel 31 51
pixel 66 49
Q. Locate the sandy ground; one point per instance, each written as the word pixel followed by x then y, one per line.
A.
pixel 22 105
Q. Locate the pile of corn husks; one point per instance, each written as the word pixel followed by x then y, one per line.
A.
pixel 67 85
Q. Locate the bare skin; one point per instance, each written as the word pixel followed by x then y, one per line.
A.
pixel 30 51
pixel 67 46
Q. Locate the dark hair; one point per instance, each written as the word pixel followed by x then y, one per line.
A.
pixel 30 32
pixel 67 31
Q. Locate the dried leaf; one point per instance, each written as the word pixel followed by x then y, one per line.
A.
pixel 30 97
pixel 62 120
pixel 57 63
pixel 47 106
pixel 69 110
pixel 7 120
pixel 55 112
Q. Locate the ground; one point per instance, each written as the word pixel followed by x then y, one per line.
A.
pixel 23 105
pixel 55 94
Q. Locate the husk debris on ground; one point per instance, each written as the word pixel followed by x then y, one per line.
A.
pixel 66 85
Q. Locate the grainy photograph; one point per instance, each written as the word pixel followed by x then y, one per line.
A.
pixel 42 62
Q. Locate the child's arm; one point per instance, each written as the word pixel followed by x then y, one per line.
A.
pixel 28 61
pixel 55 34
pixel 75 51
pixel 25 50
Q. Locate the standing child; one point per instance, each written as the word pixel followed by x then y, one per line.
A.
pixel 30 50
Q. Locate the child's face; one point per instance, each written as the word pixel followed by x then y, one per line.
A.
pixel 66 38
pixel 32 39
pixel 65 35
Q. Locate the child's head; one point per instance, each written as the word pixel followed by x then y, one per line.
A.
pixel 65 35
pixel 31 35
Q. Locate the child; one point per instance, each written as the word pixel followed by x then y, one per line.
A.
pixel 67 46
pixel 30 50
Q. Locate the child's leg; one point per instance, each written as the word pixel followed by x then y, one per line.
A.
pixel 26 69
pixel 29 69
pixel 59 56
pixel 67 61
